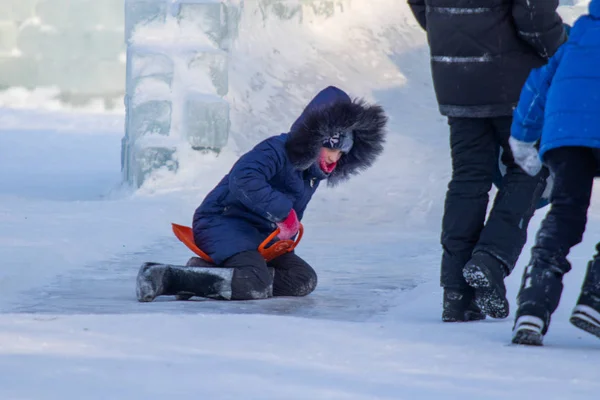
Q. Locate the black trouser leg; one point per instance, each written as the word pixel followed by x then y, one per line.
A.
pixel 292 276
pixel 251 279
pixel 473 150
pixel 573 169
pixel 505 232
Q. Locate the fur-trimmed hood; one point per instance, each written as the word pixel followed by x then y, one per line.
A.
pixel 332 111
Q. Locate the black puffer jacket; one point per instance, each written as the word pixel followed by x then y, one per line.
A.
pixel 483 50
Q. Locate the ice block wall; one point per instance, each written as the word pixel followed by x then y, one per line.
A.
pixel 178 60
pixel 174 52
pixel 176 81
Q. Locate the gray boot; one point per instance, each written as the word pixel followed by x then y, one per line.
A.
pixel 156 279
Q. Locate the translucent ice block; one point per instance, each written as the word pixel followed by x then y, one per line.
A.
pixel 148 62
pixel 177 75
pixel 141 161
pixel 149 65
pixel 144 12
pixel 125 154
pixel 207 72
pixel 206 121
pixel 148 118
pixel 206 17
pixel 148 91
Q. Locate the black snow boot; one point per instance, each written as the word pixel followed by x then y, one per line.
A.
pixel 156 279
pixel 192 262
pixel 538 298
pixel 459 306
pixel 586 314
pixel 485 273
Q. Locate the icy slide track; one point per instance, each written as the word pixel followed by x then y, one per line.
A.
pixel 71 244
pixel 352 232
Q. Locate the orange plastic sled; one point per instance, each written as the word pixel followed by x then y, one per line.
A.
pixel 186 235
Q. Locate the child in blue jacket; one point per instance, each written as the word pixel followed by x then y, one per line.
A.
pixel 557 122
pixel 268 188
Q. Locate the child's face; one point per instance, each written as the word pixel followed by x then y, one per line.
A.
pixel 328 159
pixel 330 156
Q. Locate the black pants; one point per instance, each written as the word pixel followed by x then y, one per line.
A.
pixel 573 169
pixel 475 144
pixel 287 275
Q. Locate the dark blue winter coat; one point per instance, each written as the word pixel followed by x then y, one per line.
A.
pixel 282 173
pixel 560 102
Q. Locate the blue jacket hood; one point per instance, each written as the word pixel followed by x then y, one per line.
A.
pixel 330 112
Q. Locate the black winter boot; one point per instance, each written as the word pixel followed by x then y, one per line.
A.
pixel 169 280
pixel 459 306
pixel 586 314
pixel 485 273
pixel 538 298
pixel 192 262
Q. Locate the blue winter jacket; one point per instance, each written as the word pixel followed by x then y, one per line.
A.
pixel 282 173
pixel 560 102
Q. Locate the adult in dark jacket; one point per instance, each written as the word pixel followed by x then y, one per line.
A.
pixel 269 187
pixel 481 55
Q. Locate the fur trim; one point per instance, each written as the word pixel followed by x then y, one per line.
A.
pixel 367 122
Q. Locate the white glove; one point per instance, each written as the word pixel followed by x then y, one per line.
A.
pixel 526 156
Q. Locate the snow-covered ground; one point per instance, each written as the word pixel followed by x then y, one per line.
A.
pixel 72 239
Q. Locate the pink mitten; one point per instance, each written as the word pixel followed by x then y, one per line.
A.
pixel 289 226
